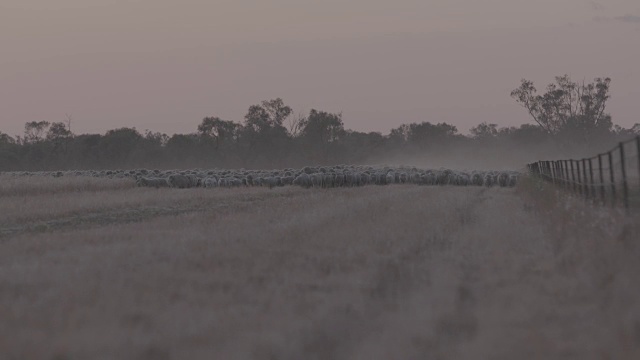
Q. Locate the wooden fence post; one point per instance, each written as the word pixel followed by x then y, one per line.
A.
pixel 612 179
pixel 579 171
pixel 567 182
pixel 585 185
pixel 592 190
pixel 601 178
pixel 559 172
pixel 547 170
pixel 573 178
pixel 625 188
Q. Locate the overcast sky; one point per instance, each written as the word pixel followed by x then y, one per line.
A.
pixel 164 65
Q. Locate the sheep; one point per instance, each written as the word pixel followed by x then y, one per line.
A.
pixel 224 182
pixel 351 180
pixel 390 177
pixel 271 182
pixel 287 180
pixel 210 182
pixel 488 180
pixel 463 180
pixel 310 176
pixel 329 180
pixel 193 179
pixel 152 182
pixel 476 179
pixel 303 180
pixel 179 181
pixel 316 180
pixel 365 179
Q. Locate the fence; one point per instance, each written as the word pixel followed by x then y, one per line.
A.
pixel 611 178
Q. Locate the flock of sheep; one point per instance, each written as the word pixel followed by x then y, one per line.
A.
pixel 307 177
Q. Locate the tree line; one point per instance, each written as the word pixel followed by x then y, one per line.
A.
pixel 568 116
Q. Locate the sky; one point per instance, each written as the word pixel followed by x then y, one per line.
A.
pixel 164 65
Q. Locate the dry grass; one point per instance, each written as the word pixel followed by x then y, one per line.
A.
pixel 367 273
pixel 12 186
pixel 55 206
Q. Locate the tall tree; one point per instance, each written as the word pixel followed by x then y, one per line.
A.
pixel 277 110
pixel 59 135
pixel 118 146
pixel 57 131
pixel 322 127
pixel 567 105
pixel 269 114
pixel 35 131
pixel 217 129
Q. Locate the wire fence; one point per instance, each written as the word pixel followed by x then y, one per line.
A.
pixel 611 178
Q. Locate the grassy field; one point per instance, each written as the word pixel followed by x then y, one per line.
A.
pixel 97 269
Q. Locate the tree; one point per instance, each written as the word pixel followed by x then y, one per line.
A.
pixel 157 139
pixel 622 132
pixel 34 131
pixel 6 140
pixel 295 124
pixel 118 146
pixel 277 110
pixel 484 131
pixel 271 114
pixel 526 134
pixel 567 106
pixel 400 135
pixel 425 133
pixel 218 129
pixel 59 135
pixel 58 131
pixel 266 139
pixel 322 127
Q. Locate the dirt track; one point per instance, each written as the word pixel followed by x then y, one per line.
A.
pixel 396 272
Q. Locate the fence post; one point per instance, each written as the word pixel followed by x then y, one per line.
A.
pixel 592 190
pixel 547 170
pixel 625 188
pixel 552 171
pixel 612 179
pixel 579 171
pixel 539 170
pixel 559 173
pixel 573 178
pixel 601 178
pixel 585 186
pixel 567 183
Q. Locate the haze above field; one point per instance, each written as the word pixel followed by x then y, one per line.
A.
pixel 164 65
